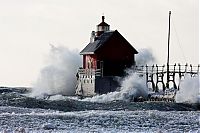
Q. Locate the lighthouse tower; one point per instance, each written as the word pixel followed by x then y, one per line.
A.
pixel 102 27
pixel 106 57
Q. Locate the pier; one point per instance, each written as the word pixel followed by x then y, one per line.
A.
pixel 156 75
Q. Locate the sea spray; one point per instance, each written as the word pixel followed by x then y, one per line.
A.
pixel 132 86
pixel 58 76
pixel 189 90
pixel 144 57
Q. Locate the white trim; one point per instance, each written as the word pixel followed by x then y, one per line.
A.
pixel 83 53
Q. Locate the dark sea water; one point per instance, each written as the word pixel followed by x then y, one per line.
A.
pixel 21 113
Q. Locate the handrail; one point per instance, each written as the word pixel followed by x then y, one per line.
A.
pixel 89 72
pixel 152 69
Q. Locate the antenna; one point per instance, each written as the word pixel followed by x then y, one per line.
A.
pixel 167 84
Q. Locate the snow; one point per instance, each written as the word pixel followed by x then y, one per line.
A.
pixel 41 120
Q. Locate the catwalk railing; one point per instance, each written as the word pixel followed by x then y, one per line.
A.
pixel 156 75
pixel 89 73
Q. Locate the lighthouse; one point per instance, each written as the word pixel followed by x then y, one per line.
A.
pixel 105 58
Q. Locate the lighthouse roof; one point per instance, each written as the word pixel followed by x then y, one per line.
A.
pixel 92 47
pixel 102 40
pixel 103 23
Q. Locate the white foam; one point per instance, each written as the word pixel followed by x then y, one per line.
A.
pixel 57 97
pixel 58 76
pixel 131 86
pixel 144 56
pixel 189 90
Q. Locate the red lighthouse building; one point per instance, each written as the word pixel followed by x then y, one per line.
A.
pixel 104 58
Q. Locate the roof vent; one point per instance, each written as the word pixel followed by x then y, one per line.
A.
pixel 92 38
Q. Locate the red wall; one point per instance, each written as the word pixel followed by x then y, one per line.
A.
pixel 114 56
pixel 89 62
pixel 116 49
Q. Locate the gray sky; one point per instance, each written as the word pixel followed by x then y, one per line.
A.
pixel 28 26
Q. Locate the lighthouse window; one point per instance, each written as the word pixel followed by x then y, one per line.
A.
pixel 100 28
